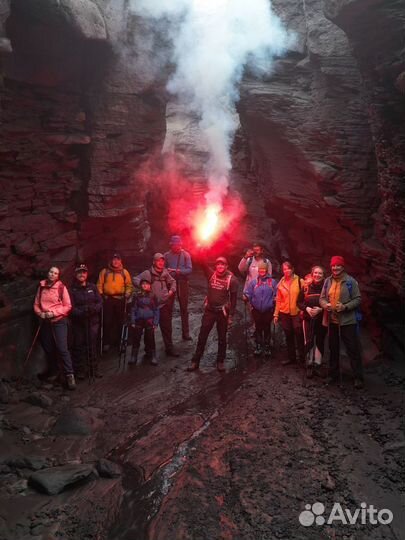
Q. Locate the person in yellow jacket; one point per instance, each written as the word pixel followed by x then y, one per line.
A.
pixel 115 286
pixel 288 312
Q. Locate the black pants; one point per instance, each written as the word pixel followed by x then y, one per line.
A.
pixel 84 346
pixel 145 328
pixel 315 334
pixel 350 338
pixel 113 316
pixel 53 337
pixel 210 317
pixel 262 326
pixel 165 323
pixel 292 327
pixel 182 296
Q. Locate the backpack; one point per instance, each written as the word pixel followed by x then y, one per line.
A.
pixel 108 271
pixel 357 311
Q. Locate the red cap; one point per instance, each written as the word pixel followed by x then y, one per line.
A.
pixel 337 260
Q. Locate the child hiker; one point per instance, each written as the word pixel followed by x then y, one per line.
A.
pixel 144 319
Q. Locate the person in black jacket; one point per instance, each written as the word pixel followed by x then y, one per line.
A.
pixel 219 308
pixel 314 331
pixel 86 308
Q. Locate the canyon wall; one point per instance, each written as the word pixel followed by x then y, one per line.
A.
pixel 318 159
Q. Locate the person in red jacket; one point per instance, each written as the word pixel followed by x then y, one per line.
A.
pixel 52 305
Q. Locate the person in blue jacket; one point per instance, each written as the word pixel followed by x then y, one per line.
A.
pixel 261 294
pixel 144 320
pixel 179 265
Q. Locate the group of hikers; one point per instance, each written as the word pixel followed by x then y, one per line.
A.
pixel 307 310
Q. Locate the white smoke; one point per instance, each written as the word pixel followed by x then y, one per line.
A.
pixel 213 41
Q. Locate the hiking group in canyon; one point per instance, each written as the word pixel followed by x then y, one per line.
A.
pixel 120 309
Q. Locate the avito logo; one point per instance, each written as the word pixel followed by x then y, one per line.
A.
pixel 314 514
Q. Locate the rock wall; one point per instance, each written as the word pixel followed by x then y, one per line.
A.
pixel 78 122
pixel 318 159
pixel 326 136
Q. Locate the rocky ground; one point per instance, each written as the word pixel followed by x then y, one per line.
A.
pixel 160 453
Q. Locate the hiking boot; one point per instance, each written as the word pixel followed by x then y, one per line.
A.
pixel 97 373
pixel 287 362
pixel 80 375
pixel 194 366
pixel 70 381
pixel 358 384
pixel 330 381
pixel 134 356
pixel 267 351
pixel 221 366
pixel 187 338
pixel 258 350
pixel 309 372
pixel 172 352
pixel 154 360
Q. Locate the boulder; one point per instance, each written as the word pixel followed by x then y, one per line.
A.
pixel 56 479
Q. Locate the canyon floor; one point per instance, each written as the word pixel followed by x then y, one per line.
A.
pixel 159 453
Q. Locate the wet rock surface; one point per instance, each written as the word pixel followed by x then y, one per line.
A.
pixel 206 455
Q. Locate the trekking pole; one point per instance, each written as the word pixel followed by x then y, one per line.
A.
pixel 101 329
pixel 31 348
pixel 339 359
pixel 246 333
pixel 304 370
pixel 89 351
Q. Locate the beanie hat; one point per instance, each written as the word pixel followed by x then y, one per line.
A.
pixel 81 268
pixel 337 260
pixel 221 260
pixel 262 264
pixel 157 256
pixel 145 280
pixel 116 256
pixel 175 240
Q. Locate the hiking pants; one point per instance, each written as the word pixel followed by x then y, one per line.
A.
pixel 84 347
pixel 146 328
pixel 182 296
pixel 211 317
pixel 53 338
pixel 114 317
pixel 165 323
pixel 350 338
pixel 262 321
pixel 291 324
pixel 315 333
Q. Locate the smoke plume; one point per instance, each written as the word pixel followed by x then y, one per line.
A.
pixel 213 41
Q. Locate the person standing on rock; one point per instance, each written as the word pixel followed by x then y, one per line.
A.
pixel 288 312
pixel 179 265
pixel 85 316
pixel 164 288
pixel 115 286
pixel 341 298
pixel 144 320
pixel 219 308
pixel 261 293
pixel 314 331
pixel 52 305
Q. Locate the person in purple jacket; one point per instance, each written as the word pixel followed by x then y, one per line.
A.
pixel 261 294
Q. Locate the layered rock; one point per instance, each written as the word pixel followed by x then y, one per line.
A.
pixel 77 125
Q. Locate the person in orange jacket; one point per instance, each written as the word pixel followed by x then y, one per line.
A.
pixel 52 305
pixel 115 286
pixel 288 312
